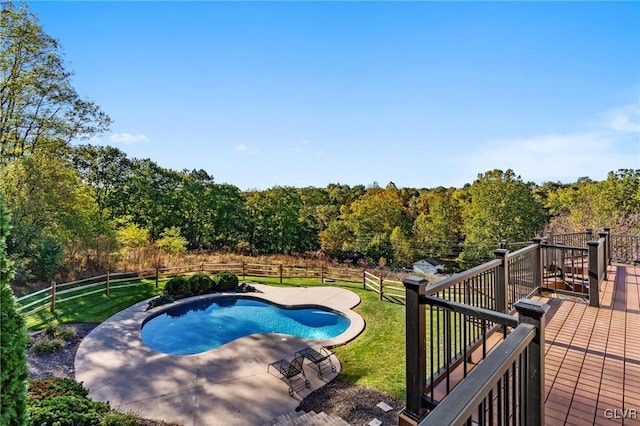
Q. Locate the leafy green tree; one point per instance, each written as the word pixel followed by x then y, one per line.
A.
pixel 440 229
pixel 275 222
pixel 614 203
pixel 372 218
pixel 39 109
pixel 13 339
pixel 52 211
pixel 172 242
pixel 502 206
pixel 404 253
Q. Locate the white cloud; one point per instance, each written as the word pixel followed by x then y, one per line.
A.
pixel 609 146
pixel 625 119
pixel 128 138
pixel 245 149
pixel 555 157
pixel 297 149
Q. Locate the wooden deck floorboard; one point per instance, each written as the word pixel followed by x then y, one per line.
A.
pixel 592 355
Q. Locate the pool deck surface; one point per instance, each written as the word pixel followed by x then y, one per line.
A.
pixel 229 385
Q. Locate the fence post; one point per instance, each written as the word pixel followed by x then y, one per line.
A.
pixel 53 296
pixel 201 267
pixel 157 273
pixel 280 268
pixel 106 286
pixel 416 351
pixel 533 312
pixel 322 273
pixel 502 281
pixel 549 237
pixel 364 279
pixel 243 270
pixel 380 283
pixel 594 275
pixel 538 266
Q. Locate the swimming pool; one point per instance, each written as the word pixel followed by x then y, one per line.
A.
pixel 202 325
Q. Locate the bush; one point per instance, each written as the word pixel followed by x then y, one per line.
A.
pixel 245 288
pixel 178 287
pixel 116 418
pixel 226 281
pixel 201 283
pixel 13 339
pixel 163 299
pixel 47 388
pixel 66 410
pixel 48 346
pixel 65 333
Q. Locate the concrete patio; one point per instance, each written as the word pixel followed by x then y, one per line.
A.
pixel 223 386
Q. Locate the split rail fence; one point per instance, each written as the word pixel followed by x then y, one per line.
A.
pixel 50 297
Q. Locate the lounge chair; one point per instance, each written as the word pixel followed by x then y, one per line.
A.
pixel 317 358
pixel 290 370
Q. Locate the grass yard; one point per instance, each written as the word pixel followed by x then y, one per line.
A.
pixel 375 359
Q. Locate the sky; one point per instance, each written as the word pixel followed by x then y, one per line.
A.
pixel 422 94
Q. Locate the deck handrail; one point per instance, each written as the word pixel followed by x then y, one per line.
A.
pixel 459 406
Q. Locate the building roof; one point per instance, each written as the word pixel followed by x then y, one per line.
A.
pixel 430 260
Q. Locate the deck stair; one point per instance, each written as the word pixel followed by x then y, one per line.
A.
pixel 311 418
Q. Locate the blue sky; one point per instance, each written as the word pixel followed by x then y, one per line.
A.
pixel 309 93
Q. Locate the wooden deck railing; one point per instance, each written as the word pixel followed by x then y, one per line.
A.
pixel 450 325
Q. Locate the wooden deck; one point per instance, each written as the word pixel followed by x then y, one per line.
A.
pixel 592 355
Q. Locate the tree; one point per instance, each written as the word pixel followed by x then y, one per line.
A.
pixel 440 229
pixel 13 339
pixel 39 109
pixel 502 207
pixel 372 218
pixel 172 242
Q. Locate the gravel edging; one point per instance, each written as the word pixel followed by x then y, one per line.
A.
pixel 61 363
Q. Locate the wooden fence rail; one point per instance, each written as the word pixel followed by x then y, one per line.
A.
pixel 51 296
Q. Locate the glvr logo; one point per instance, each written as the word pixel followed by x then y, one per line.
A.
pixel 621 413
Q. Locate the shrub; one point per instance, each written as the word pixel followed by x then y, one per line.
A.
pixel 245 288
pixel 13 339
pixel 201 283
pixel 116 418
pixel 57 331
pixel 226 281
pixel 48 346
pixel 66 410
pixel 178 287
pixel 163 299
pixel 47 388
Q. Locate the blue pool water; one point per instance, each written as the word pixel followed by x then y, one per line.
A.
pixel 206 324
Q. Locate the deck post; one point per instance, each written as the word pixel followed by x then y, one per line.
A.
pixel 608 231
pixel 589 234
pixel 604 262
pixel 594 276
pixel 538 266
pixel 416 352
pixel 533 312
pixel 502 280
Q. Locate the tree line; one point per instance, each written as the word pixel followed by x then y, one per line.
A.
pixel 77 206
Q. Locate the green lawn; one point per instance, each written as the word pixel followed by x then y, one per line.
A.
pixel 374 359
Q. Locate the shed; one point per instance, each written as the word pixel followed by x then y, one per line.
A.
pixel 428 265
